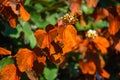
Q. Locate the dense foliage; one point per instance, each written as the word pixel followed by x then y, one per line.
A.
pixel 59 39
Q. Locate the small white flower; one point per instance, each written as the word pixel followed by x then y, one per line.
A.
pixel 91 34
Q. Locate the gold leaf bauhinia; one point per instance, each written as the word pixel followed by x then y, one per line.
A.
pixel 25 59
pixel 10 11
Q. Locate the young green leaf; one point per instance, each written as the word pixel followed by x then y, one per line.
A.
pixel 50 73
pixel 5 61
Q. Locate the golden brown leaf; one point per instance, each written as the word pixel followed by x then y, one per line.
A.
pixel 101 13
pixel 102 43
pixel 4 51
pixel 59 37
pixel 102 62
pixel 83 46
pixel 10 11
pixel 56 56
pixel 117 47
pixel 41 58
pixel 82 21
pixel 42 38
pixel 52 50
pixel 10 16
pixel 40 61
pixel 92 3
pixel 13 22
pixel 105 74
pixel 14 6
pixel 87 67
pixel 25 59
pixel 38 67
pixel 9 72
pixel 32 75
pixel 75 7
pixel 114 24
pixel 56 53
pixel 58 59
pixel 52 31
pixel 70 39
pixel 23 13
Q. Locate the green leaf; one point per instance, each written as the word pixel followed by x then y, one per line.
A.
pixel 100 24
pixel 13 32
pixel 52 18
pixel 50 73
pixel 29 37
pixel 35 17
pixel 27 2
pixel 42 78
pixel 5 61
pixel 32 41
pixel 38 7
pixel 37 20
pixel 87 10
pixel 79 27
pixel 87 27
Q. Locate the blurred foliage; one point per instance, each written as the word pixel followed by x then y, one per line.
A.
pixel 44 12
pixel 5 61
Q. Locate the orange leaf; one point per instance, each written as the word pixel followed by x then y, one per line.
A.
pixel 56 53
pixel 45 38
pixel 9 12
pixel 55 48
pixel 75 6
pixel 102 44
pixel 102 62
pixel 11 9
pixel 92 3
pixel 113 24
pixel 56 56
pixel 52 50
pixel 40 61
pixel 101 13
pixel 23 13
pixel 59 37
pixel 13 5
pixel 25 59
pixel 83 47
pixel 70 39
pixel 10 16
pixel 32 75
pixel 105 74
pixel 9 73
pixel 117 47
pixel 13 22
pixel 4 51
pixel 82 21
pixel 42 38
pixel 52 31
pixel 41 58
pixel 87 67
